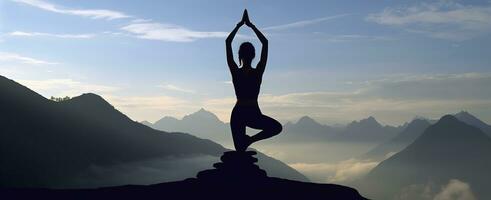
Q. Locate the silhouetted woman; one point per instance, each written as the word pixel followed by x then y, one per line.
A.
pixel 247 82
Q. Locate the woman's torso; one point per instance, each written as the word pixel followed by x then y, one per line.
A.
pixel 247 84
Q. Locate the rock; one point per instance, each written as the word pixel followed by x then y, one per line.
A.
pixel 235 166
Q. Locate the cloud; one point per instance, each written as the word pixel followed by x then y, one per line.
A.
pixel 91 13
pixel 35 34
pixel 394 99
pixel 140 20
pixel 455 190
pixel 441 19
pixel 305 22
pixel 391 99
pixel 352 38
pixel 139 28
pixel 417 192
pixel 462 86
pixel 341 172
pixel 168 32
pixel 176 88
pixel 13 57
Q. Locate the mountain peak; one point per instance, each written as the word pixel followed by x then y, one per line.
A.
pixel 448 148
pixel 90 96
pixel 202 110
pixel 90 99
pixel 449 127
pixel 306 120
pixel 370 121
pixel 470 119
pixel 201 114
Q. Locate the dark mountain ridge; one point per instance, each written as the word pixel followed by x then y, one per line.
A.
pixel 44 143
pixel 449 149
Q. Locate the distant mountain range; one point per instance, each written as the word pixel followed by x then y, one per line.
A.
pixel 366 130
pixel 389 139
pixel 44 143
pixel 306 129
pixel 449 149
pixel 205 124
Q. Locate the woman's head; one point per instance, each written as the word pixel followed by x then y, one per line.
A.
pixel 246 53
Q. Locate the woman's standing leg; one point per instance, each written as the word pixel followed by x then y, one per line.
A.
pixel 238 128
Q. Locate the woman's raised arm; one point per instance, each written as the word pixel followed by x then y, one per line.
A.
pixel 228 46
pixel 261 65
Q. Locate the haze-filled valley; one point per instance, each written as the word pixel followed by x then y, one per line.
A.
pixel 358 154
pixel 324 154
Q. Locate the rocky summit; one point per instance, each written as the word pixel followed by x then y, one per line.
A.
pixel 236 177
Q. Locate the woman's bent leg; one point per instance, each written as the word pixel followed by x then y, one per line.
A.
pixel 269 126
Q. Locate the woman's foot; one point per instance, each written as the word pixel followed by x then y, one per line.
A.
pixel 245 143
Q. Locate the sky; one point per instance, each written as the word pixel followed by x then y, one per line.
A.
pixel 335 61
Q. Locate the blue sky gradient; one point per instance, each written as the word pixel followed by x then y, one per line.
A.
pixel 334 60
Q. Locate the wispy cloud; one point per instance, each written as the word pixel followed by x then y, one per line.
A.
pixel 352 38
pixel 138 27
pixel 442 19
pixel 168 32
pixel 39 34
pixel 305 22
pixel 176 88
pixel 13 57
pixel 91 13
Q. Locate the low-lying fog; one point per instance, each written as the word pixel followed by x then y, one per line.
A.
pixel 322 162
